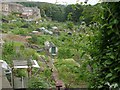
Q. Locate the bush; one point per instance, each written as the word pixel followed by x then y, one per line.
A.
pixel 37 82
pixel 20 73
pixel 64 53
pixel 20 31
pixel 70 25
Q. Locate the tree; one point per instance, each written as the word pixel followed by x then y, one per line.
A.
pixel 70 25
pixel 73 12
pixel 108 59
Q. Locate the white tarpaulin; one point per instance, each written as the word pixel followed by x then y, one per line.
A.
pixel 4 64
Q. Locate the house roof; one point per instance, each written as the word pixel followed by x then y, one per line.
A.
pixel 24 64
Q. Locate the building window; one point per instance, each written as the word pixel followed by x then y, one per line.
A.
pixel 6 7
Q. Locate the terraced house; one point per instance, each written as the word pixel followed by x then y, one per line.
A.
pixel 23 12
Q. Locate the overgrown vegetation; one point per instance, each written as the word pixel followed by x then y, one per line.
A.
pixel 88 44
pixel 109 59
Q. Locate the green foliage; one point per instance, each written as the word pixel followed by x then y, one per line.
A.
pixel 78 13
pixel 20 73
pixel 109 57
pixel 73 12
pixel 34 39
pixel 55 12
pixel 64 53
pixel 20 31
pixel 8 52
pixel 69 72
pixel 12 51
pixel 70 25
pixel 43 80
pixel 47 73
pixel 15 27
pixel 96 49
pixel 37 82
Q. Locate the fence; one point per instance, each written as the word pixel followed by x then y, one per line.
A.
pixel 20 82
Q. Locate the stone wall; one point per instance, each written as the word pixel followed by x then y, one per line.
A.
pixel 13 7
pixel 5 8
pixel 26 12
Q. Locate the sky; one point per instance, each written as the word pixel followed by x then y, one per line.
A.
pixel 92 2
